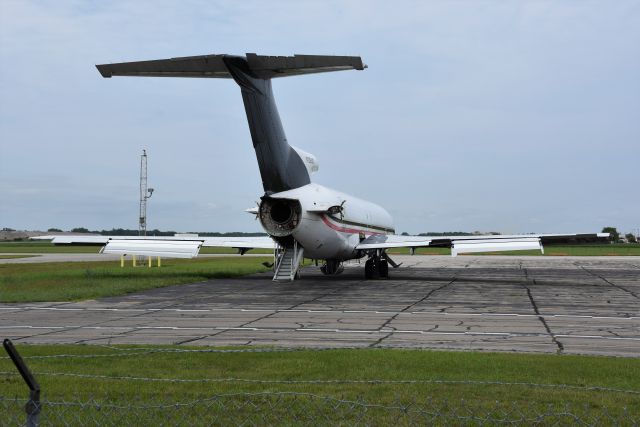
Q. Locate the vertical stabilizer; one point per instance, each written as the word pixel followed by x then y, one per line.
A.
pixel 281 167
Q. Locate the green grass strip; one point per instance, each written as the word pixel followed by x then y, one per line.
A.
pixel 71 281
pixel 381 376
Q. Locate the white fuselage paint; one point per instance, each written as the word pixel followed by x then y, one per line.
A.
pixel 335 236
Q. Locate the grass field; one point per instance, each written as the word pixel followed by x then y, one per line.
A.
pixel 146 375
pixel 564 250
pixel 87 280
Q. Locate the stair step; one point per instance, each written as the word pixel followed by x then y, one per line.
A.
pixel 285 270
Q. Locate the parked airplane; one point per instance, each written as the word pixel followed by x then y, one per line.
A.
pixel 302 219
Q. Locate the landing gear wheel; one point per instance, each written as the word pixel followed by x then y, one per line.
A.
pixel 376 268
pixel 368 269
pixel 384 269
pixel 332 267
pixel 372 268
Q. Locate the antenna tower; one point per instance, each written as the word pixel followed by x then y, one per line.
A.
pixel 145 193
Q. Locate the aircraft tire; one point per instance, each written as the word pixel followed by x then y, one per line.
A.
pixel 372 268
pixel 383 266
pixel 368 274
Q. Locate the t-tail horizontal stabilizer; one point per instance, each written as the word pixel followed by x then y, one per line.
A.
pixel 281 166
pixel 213 66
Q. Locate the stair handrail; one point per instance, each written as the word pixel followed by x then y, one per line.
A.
pixel 293 259
pixel 279 257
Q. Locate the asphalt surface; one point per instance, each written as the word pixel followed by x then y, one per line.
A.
pixel 587 305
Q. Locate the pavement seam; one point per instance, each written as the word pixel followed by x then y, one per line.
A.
pixel 73 328
pixel 540 316
pixel 622 288
pixel 274 312
pixel 571 283
pixel 392 318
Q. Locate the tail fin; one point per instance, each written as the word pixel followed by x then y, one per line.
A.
pixel 281 168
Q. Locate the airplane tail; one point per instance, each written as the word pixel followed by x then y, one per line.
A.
pixel 281 167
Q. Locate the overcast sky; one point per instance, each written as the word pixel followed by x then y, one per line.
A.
pixel 518 116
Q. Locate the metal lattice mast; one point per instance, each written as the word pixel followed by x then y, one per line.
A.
pixel 145 193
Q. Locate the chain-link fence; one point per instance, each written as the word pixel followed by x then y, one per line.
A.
pixel 158 400
pixel 287 408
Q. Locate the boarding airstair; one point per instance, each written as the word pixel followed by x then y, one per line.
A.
pixel 288 260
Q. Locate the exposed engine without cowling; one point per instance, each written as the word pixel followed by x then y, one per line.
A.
pixel 280 217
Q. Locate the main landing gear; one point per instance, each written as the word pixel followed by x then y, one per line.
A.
pixel 377 266
pixel 332 267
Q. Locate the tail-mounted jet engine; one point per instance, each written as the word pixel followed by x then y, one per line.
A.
pixel 280 217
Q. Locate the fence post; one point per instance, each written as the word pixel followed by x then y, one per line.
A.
pixel 33 406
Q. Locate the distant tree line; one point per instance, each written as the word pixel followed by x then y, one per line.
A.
pixel 614 235
pixel 613 231
pixel 457 233
pixel 156 232
pixel 453 233
pixel 231 234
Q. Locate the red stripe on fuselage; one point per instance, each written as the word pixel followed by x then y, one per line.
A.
pixel 333 226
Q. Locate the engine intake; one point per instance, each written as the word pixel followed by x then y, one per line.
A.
pixel 280 217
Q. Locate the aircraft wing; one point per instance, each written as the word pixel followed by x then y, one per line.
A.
pixel 164 246
pixel 260 242
pixel 475 243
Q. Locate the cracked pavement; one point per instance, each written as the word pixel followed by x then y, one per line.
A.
pixel 586 305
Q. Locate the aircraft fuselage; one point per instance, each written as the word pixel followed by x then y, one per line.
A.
pixel 329 224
